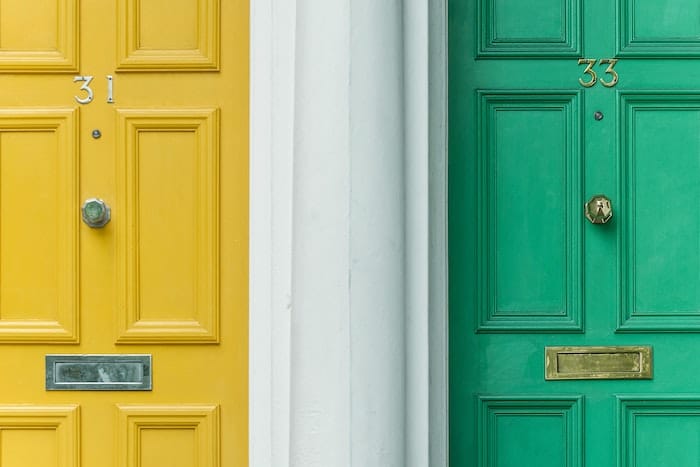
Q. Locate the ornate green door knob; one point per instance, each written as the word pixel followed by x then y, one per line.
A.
pixel 96 213
pixel 598 209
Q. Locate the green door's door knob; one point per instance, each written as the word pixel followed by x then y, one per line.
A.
pixel 598 209
pixel 96 213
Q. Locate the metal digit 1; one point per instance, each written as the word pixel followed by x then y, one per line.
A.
pixel 85 87
pixel 110 89
pixel 589 70
pixel 609 70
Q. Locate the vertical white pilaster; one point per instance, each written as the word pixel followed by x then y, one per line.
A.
pixel 321 350
pixel 377 234
pixel 272 97
pixel 417 231
pixel 342 327
pixel 348 363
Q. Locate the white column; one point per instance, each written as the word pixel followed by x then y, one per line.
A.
pixel 320 351
pixel 377 234
pixel 347 332
pixel 347 360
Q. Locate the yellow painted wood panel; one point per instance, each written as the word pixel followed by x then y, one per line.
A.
pixel 39 36
pixel 38 228
pixel 39 436
pixel 168 244
pixel 15 17
pixel 168 24
pixel 168 35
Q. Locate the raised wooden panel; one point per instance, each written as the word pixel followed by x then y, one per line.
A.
pixel 536 28
pixel 163 35
pixel 168 236
pixel 39 436
pixel 42 37
pixel 175 435
pixel 660 227
pixel 657 431
pixel 529 216
pixel 38 226
pixel 658 28
pixel 547 431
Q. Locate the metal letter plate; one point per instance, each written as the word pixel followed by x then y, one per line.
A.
pixel 98 372
pixel 632 362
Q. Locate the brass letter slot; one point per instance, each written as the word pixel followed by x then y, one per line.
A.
pixel 633 362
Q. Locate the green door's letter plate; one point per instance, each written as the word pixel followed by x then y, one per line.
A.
pixel 98 372
pixel 632 362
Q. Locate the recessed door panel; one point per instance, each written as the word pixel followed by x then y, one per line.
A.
pixel 40 38
pixel 529 221
pixel 536 28
pixel 660 222
pixel 159 35
pixel 38 226
pixel 652 28
pixel 169 242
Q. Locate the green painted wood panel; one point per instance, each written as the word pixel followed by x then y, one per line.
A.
pixel 547 431
pixel 527 270
pixel 660 28
pixel 657 430
pixel 533 28
pixel 660 211
pixel 529 191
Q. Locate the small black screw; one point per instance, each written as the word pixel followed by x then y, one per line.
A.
pixel 96 134
pixel 598 115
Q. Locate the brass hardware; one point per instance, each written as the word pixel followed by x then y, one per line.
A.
pixel 611 62
pixel 630 362
pixel 598 209
pixel 589 70
pixel 590 63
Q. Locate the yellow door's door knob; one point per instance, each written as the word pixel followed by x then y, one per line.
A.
pixel 96 213
pixel 598 209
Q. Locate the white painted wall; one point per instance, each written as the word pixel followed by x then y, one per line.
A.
pixel 347 296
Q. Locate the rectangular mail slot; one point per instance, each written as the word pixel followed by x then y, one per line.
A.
pixel 98 372
pixel 630 362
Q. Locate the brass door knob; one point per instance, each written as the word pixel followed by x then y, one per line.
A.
pixel 598 209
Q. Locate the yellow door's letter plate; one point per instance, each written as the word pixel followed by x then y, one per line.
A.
pixel 631 362
pixel 98 372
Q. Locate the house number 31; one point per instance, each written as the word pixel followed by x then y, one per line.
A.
pixel 89 94
pixel 590 63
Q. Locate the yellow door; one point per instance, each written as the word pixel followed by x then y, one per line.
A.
pixel 163 143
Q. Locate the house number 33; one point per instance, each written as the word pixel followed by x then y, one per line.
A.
pixel 89 95
pixel 590 63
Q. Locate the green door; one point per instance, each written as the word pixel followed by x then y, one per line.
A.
pixel 532 138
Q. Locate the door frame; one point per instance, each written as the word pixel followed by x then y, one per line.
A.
pixel 272 86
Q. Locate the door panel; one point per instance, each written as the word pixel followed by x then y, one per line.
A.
pixel 662 255
pixel 512 240
pixel 161 35
pixel 650 28
pixel 168 246
pixel 528 146
pixel 38 227
pixel 41 38
pixel 167 276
